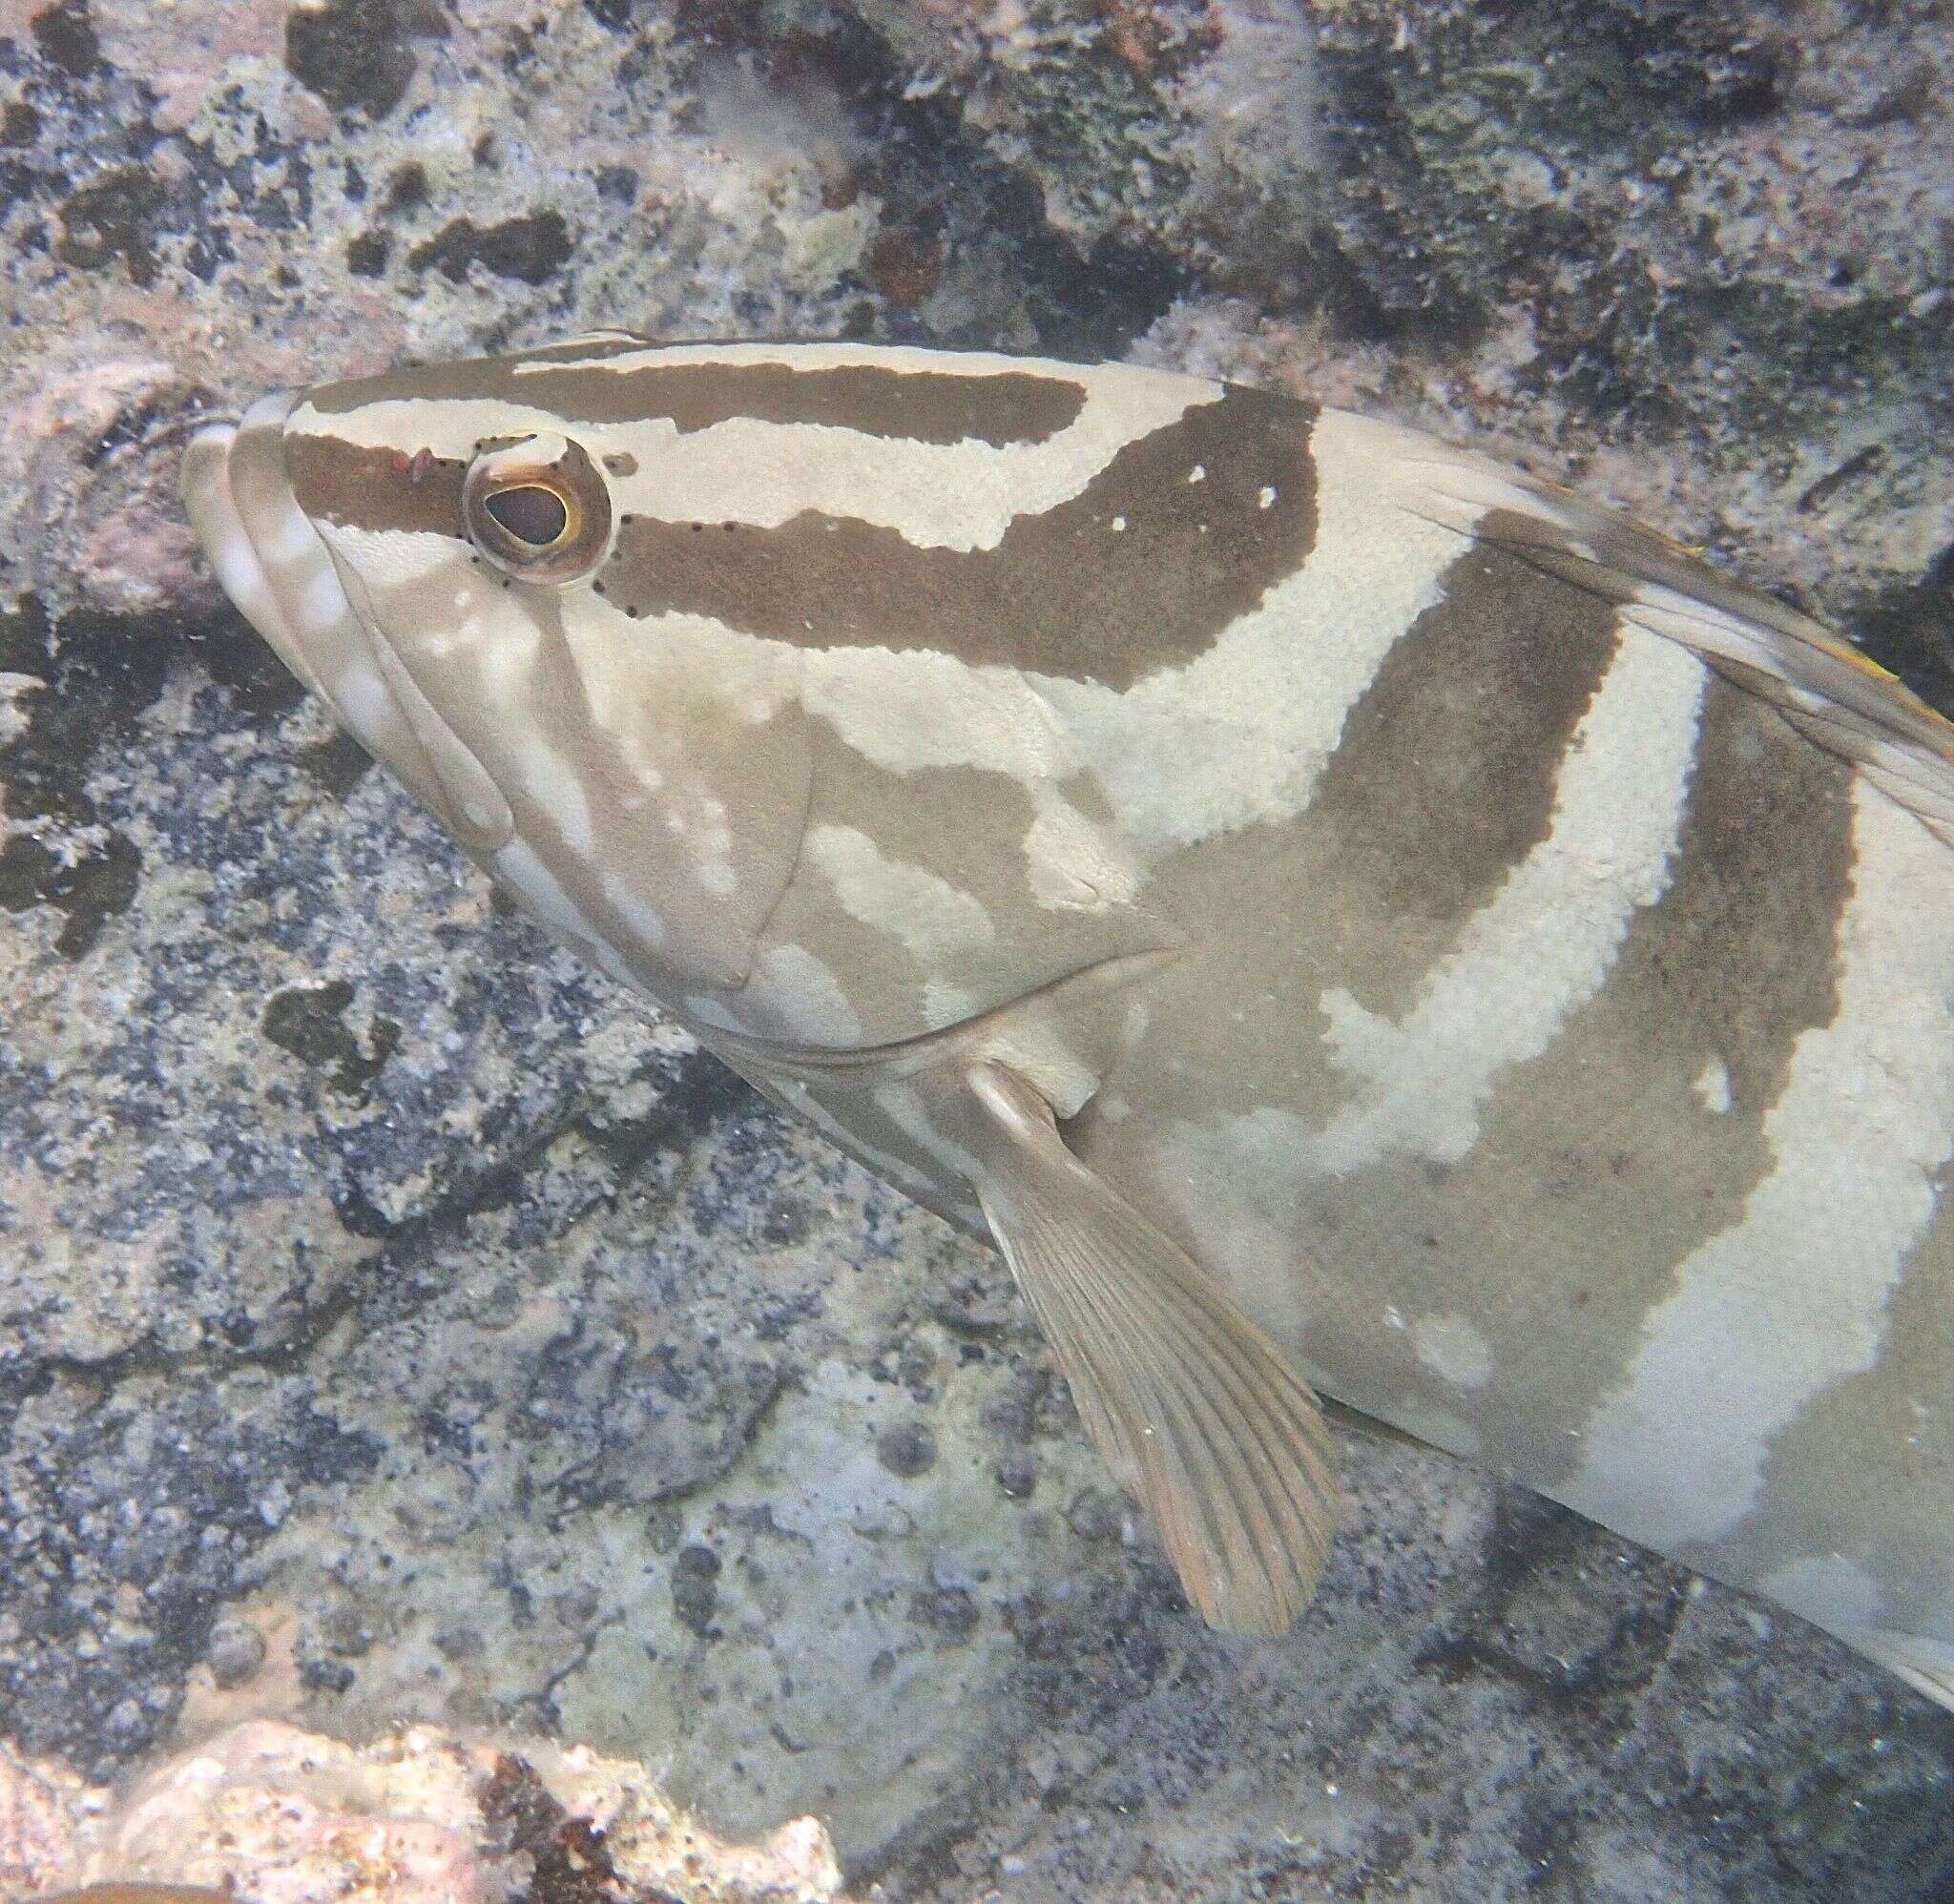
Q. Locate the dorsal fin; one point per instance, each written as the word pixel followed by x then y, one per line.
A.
pixel 1829 691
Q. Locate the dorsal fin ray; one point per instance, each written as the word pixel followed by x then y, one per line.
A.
pixel 1831 693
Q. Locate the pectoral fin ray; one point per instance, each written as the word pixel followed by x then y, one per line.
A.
pixel 1194 1408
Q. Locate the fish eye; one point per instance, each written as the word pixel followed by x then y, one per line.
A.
pixel 531 513
pixel 538 508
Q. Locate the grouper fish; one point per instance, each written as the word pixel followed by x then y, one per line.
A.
pixel 1341 916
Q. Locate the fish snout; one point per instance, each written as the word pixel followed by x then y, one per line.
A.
pixel 275 566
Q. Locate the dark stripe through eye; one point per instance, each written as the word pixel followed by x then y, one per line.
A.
pixel 530 514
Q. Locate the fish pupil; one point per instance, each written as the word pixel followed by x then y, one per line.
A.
pixel 530 514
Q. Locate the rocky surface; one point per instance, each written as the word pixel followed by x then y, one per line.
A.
pixel 395 1324
pixel 280 1816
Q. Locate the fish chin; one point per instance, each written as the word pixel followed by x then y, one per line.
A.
pixel 274 566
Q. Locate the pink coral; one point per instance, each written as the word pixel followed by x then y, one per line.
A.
pixel 288 1818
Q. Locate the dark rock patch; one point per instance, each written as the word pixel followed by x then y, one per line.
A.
pixel 695 1588
pixel 367 254
pixel 408 189
pixel 618 183
pixel 114 217
pixel 149 1502
pixel 532 249
pixel 358 54
pixel 66 37
pixel 89 889
pixel 908 1449
pixel 309 1021
pixel 339 764
pixel 1911 629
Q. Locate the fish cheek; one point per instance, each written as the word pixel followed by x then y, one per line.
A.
pixel 691 751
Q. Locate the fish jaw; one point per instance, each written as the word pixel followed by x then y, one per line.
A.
pixel 279 574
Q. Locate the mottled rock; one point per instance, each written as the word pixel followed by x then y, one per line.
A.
pixel 396 1324
pixel 419 1818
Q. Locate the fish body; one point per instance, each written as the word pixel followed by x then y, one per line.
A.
pixel 1336 912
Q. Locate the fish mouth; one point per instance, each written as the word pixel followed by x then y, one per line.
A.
pixel 279 572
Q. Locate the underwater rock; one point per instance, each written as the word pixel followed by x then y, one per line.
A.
pixel 280 1816
pixel 395 1324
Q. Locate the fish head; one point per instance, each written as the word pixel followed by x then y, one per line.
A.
pixel 442 554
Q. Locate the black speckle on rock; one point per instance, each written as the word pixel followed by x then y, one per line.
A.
pixel 337 765
pixel 113 217
pixel 949 1612
pixel 908 1449
pixel 407 189
pixel 618 183
pixel 66 37
pixel 236 1653
pixel 325 1675
pixel 695 1588
pixel 1096 1514
pixel 613 14
pixel 307 1021
pixel 532 249
pixel 367 254
pixel 356 53
pixel 99 672
pixel 1017 1475
pixel 19 123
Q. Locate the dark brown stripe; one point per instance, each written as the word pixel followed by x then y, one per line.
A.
pixel 1064 592
pixel 376 488
pixel 1740 956
pixel 1001 408
pixel 1601 1166
pixel 1445 776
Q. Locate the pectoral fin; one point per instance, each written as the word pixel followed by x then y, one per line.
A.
pixel 1191 1405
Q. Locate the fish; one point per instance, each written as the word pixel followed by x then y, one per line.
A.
pixel 1344 917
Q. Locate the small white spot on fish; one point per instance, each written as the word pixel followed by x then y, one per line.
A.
pixel 1198 474
pixel 554 784
pixel 292 539
pixel 1265 498
pixel 1120 525
pixel 1713 1088
pixel 324 601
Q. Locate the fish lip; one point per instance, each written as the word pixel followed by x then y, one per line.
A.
pixel 225 536
pixel 277 569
